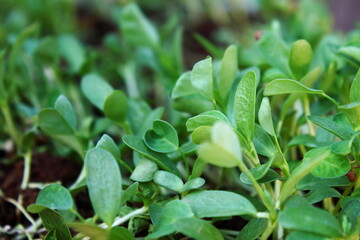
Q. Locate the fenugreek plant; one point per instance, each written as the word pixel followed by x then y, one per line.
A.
pixel 254 142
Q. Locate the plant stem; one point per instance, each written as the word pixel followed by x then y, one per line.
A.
pixel 285 167
pixel 186 162
pixel 21 209
pixel 27 167
pixel 306 105
pixel 120 220
pixel 10 125
pixel 269 229
pixel 258 189
pixel 127 128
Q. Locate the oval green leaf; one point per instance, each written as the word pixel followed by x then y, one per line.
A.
pixel 116 106
pixel 198 229
pixel 63 106
pixel 55 196
pixel 104 183
pixel 206 119
pixel 228 70
pixel 96 89
pixel 265 117
pixel 108 144
pixel 244 105
pixel 53 123
pixel 162 138
pixel 168 181
pixel 202 78
pixel 144 171
pixel 332 166
pixel 219 204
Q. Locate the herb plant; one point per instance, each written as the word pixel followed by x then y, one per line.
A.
pixel 265 137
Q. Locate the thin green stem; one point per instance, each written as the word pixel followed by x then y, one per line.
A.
pixel 306 105
pixel 269 229
pixel 127 128
pixel 258 189
pixel 330 98
pixel 186 162
pixel 21 209
pixel 15 135
pixel 27 168
pixel 285 167
pixel 214 104
pixel 77 214
pixel 345 193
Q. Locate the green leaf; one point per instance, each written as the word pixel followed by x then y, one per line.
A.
pixel 90 230
pixel 136 29
pixel 351 209
pixel 275 51
pixel 342 147
pixel 138 145
pixel 3 94
pixel 252 229
pixel 228 70
pixel 352 112
pixel 244 105
pixel 63 106
pixel 257 172
pixel 120 233
pixel 224 149
pixel 351 53
pixel 194 104
pixel 171 214
pixel 202 78
pixel 96 89
pixel 54 221
pixel 193 184
pixel 168 180
pixel 198 229
pixel 310 219
pixel 265 117
pixel 331 126
pixel 55 196
pixel 263 143
pixel 51 235
pixel 108 144
pixel 306 140
pixel 183 86
pixel 355 88
pixel 320 192
pixel 116 106
pixel 311 159
pixel 310 182
pixel 201 134
pixel 332 166
pixel 205 119
pixel 104 183
pixel 53 123
pixel 219 204
pixel 129 192
pixel 144 171
pixel 162 138
pixel 300 57
pixel 286 86
pixel 71 49
pixel 304 235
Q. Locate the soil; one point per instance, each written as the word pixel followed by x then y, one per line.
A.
pixel 45 168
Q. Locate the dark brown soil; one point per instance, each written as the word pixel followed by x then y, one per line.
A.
pixel 44 169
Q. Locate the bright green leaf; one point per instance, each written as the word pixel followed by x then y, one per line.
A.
pixel 286 86
pixel 244 105
pixel 116 106
pixel 138 145
pixel 193 184
pixel 205 119
pixel 310 219
pixel 263 143
pixel 228 70
pixel 219 204
pixel 136 29
pixel 355 88
pixel 168 180
pixel 201 134
pixel 198 229
pixel 202 78
pixel 104 183
pixel 54 221
pixel 129 192
pixel 332 166
pixel 224 149
pixel 144 171
pixel 90 230
pixel 162 137
pixel 63 106
pixel 53 123
pixel 331 126
pixel 96 89
pixel 352 112
pixel 183 86
pixel 55 196
pixel 265 117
